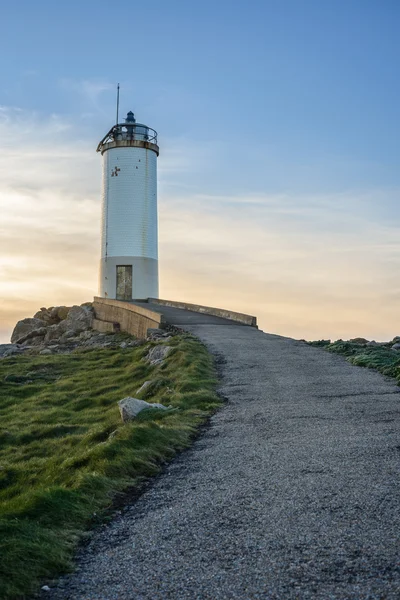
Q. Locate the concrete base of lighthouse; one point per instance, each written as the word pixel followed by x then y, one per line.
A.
pixel 144 277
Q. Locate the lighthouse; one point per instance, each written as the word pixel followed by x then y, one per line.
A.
pixel 129 239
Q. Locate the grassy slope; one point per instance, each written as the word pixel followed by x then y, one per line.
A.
pixel 59 467
pixel 382 358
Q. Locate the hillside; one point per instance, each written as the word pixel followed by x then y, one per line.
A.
pixel 65 454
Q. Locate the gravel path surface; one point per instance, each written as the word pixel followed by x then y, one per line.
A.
pixel 291 493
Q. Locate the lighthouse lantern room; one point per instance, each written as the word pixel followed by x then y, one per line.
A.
pixel 129 244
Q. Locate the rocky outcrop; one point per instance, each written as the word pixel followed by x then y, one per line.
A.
pixel 131 407
pixel 53 323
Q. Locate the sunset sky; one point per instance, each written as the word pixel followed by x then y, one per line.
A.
pixel 279 179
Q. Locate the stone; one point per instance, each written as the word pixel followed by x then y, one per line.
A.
pixel 79 319
pixel 69 334
pixel 157 354
pixel 123 345
pixel 130 407
pixel 153 331
pixel 396 346
pixel 86 335
pixel 46 351
pixel 46 315
pixel 144 387
pixel 61 312
pixel 359 340
pixel 25 327
pixel 10 349
pixel 54 332
pixel 396 339
pixel 46 588
pixel 34 337
pixel 372 343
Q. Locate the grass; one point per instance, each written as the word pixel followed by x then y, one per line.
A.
pixel 65 455
pixel 381 357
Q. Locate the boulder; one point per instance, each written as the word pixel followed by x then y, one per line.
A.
pixel 46 315
pixel 372 343
pixel 62 312
pixel 10 349
pixel 34 337
pixel 396 346
pixel 157 354
pixel 25 327
pixel 131 407
pixel 54 332
pixel 86 335
pixel 69 334
pixel 396 340
pixel 79 319
pixel 46 351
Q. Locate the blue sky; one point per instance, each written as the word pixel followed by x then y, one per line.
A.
pixel 263 108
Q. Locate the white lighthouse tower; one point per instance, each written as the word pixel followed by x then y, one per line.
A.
pixel 129 240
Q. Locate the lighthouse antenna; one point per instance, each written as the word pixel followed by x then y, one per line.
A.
pixel 117 103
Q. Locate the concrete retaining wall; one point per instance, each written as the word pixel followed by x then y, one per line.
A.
pixel 104 326
pixel 208 310
pixel 131 318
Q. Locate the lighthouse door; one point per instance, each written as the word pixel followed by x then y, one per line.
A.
pixel 124 282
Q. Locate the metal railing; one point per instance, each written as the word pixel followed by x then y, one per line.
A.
pixel 129 131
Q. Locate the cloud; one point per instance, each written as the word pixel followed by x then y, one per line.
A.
pixel 90 91
pixel 307 266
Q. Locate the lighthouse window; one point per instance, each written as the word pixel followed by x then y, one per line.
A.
pixel 124 282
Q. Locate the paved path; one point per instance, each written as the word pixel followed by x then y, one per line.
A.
pixel 291 493
pixel 184 318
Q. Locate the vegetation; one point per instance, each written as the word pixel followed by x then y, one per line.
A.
pixel 65 455
pixel 379 357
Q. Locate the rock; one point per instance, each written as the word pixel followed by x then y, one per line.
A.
pixel 153 331
pixel 359 340
pixel 134 343
pixel 372 343
pixel 46 315
pixel 79 319
pixel 34 337
pixel 25 327
pixel 131 407
pixel 10 349
pixel 157 354
pixel 46 351
pixel 69 334
pixel 61 312
pixel 396 346
pixel 144 387
pixel 86 335
pixel 54 332
pixel 46 588
pixel 123 345
pixel 396 340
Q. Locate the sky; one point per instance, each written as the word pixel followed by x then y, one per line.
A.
pixel 279 178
